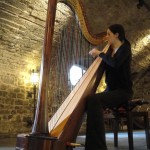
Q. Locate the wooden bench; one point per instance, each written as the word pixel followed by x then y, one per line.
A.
pixel 126 112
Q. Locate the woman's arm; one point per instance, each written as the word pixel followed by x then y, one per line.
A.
pixel 119 57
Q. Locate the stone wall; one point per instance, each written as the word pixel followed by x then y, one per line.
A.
pixel 21 37
pixel 137 25
pixel 21 41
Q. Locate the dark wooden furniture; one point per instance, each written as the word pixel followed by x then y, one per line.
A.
pixel 126 112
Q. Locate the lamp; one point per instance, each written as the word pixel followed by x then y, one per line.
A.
pixel 34 77
pixel 34 80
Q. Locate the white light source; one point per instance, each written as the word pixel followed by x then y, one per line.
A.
pixel 34 77
pixel 34 80
pixel 76 73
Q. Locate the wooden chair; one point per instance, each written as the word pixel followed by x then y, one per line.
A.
pixel 126 112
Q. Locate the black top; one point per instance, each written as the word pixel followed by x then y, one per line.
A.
pixel 117 68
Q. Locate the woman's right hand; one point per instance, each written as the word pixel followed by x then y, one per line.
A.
pixel 94 52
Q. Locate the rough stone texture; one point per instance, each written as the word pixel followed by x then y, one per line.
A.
pixel 21 36
pixel 136 22
pixel 22 25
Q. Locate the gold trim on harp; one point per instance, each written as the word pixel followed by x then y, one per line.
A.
pixel 59 128
pixel 78 7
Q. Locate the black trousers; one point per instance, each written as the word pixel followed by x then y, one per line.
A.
pixel 95 130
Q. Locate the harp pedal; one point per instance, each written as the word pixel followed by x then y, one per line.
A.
pixel 74 144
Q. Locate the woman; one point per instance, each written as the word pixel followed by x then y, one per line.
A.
pixel 119 86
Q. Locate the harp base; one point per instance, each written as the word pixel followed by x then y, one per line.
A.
pixel 39 142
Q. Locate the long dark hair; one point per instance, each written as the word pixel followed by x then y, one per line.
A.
pixel 117 28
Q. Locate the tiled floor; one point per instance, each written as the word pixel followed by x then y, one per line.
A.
pixel 7 143
pixel 139 142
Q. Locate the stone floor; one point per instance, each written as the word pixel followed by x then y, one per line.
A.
pixel 139 142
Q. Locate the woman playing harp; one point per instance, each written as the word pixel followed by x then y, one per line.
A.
pixel 119 86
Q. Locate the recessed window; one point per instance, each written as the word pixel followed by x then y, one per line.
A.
pixel 76 72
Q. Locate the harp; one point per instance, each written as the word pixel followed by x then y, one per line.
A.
pixel 61 128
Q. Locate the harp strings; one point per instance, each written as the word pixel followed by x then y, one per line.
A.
pixel 72 49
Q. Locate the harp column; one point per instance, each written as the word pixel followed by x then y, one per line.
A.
pixel 41 117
